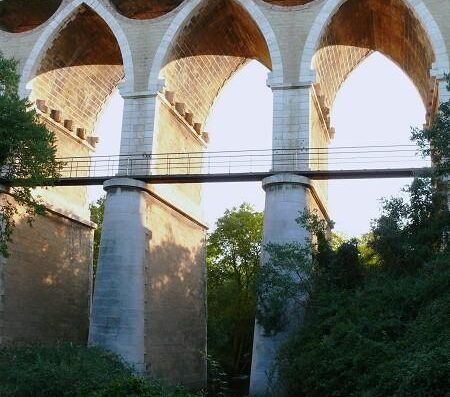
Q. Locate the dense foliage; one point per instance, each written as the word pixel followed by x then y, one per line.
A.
pixel 233 255
pixel 67 370
pixel 294 272
pixel 388 337
pixel 27 152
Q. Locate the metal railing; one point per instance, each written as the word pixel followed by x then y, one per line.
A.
pixel 249 161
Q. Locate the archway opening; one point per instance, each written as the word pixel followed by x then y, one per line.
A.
pixel 218 40
pixel 388 28
pixel 73 82
pixel 17 16
pixel 376 106
pixel 250 102
pixel 210 48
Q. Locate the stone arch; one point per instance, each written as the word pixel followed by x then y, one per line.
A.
pixel 60 19
pixel 440 66
pixel 18 16
pixel 402 30
pixel 78 72
pixel 183 17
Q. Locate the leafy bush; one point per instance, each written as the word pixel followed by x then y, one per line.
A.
pixel 68 370
pixel 294 272
pixel 408 234
pixel 390 337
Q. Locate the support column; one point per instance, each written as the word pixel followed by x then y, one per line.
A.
pixel 286 196
pixel 149 302
pixel 117 317
pixel 291 127
pixel 138 122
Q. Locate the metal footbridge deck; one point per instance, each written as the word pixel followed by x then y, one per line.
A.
pixel 362 162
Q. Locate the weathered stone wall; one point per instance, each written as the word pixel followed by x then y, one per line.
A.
pixel 73 199
pixel 175 296
pixel 47 280
pixel 174 134
pixel 320 137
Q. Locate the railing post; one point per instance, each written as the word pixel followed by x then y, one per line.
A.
pixel 71 166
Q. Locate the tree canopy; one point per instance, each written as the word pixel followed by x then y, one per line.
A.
pixel 27 152
pixel 233 255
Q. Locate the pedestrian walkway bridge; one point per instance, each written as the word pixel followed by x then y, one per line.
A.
pixel 360 162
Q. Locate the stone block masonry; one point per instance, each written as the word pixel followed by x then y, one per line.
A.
pixel 45 284
pixel 150 297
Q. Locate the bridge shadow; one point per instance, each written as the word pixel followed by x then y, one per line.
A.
pixel 45 283
pixel 175 310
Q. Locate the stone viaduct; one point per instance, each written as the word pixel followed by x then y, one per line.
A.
pixel 169 60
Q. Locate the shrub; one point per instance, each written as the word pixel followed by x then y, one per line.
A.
pixel 390 337
pixel 68 370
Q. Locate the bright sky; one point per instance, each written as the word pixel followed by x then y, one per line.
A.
pixel 376 105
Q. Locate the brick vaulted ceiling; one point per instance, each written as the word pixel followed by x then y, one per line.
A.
pixel 213 45
pixel 360 27
pixel 145 9
pixel 80 69
pixel 18 16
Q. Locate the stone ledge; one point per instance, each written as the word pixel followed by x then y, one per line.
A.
pixel 59 211
pixel 293 179
pixel 288 178
pixel 125 182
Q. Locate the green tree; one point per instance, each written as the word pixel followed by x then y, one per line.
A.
pixel 97 213
pixel 434 141
pixel 233 255
pixel 27 153
pixel 409 234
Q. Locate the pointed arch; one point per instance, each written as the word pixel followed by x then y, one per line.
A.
pixel 423 15
pixel 184 16
pixel 48 35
